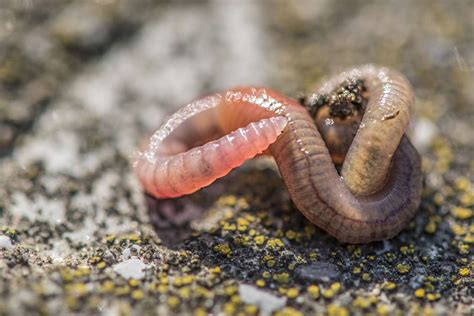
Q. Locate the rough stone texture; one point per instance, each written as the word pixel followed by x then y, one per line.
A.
pixel 82 82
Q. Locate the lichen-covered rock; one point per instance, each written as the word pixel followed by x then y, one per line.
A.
pixel 81 83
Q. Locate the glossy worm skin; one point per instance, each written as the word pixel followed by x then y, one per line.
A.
pixel 374 199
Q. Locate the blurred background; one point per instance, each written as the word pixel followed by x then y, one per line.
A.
pixel 81 82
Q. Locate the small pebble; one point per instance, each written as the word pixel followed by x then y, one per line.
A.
pixel 5 242
pixel 131 269
pixel 265 301
pixel 318 271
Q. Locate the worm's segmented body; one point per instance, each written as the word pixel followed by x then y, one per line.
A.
pixel 379 190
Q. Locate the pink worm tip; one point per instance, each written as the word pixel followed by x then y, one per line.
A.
pixel 183 173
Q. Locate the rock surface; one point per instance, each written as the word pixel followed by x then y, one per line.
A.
pixel 82 82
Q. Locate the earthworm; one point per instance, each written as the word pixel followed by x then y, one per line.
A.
pixel 378 189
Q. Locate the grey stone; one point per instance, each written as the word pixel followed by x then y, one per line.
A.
pixel 318 272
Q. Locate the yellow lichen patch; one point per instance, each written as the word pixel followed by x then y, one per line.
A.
pixel 242 204
pixel 292 293
pixel 109 239
pixel 223 249
pixel 200 311
pixel 464 272
pixel 332 290
pixel 122 290
pixel 356 251
pixel 162 288
pixel 39 288
pixel 403 268
pixel 455 280
pixel 404 250
pixel 275 243
pixel 250 309
pixel 458 229
pixel 133 282
pixel 187 279
pixel 281 277
pixel 282 290
pixel 101 265
pixel 407 250
pixel 383 309
pixel 229 226
pixel 106 287
pixel 82 272
pixel 288 311
pixel 203 292
pixel 173 302
pixel 390 256
pixel 469 239
pixel 334 310
pixel 249 217
pixel 177 282
pixel 291 234
pixel 260 283
pixel 137 295
pixel 242 228
pixel 309 230
pixel 366 277
pixel 229 308
pixel 364 302
pixel 462 261
pixel 185 292
pixel 227 200
pixel 462 184
pixel 131 237
pixel 463 248
pixel 215 270
pixel 66 275
pixel 230 290
pixel 76 289
pixel 72 303
pixel 466 199
pixel 164 279
pixel 433 297
pixel 9 230
pixel 438 198
pixel 259 240
pixel 313 291
pixel 242 221
pixel 420 293
pixel 153 287
pixel 461 212
pixel 336 286
pixel 93 302
pixel 356 270
pixel 444 154
pixel 431 226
